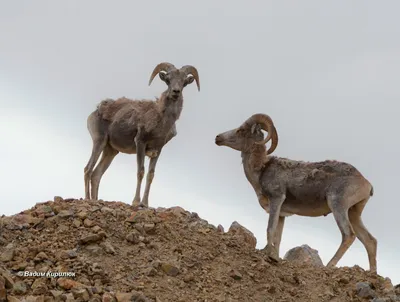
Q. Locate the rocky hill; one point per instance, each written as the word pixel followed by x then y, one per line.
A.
pixel 78 250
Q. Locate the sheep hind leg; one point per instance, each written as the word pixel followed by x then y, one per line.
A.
pixel 278 233
pixel 340 214
pixel 98 146
pixel 369 242
pixel 107 157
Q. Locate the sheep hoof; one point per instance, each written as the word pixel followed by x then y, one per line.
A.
pixel 142 205
pixel 271 253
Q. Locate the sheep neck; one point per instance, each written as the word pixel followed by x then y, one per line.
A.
pixel 170 109
pixel 254 160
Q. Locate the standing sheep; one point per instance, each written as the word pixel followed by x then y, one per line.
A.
pixel 286 187
pixel 141 127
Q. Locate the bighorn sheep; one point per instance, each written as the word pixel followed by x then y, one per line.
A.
pixel 141 127
pixel 286 187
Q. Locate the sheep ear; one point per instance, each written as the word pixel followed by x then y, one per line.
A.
pixel 188 80
pixel 255 128
pixel 163 76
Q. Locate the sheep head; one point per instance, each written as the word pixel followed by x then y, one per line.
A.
pixel 176 79
pixel 249 133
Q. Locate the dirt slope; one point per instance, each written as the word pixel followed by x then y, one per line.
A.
pixel 119 253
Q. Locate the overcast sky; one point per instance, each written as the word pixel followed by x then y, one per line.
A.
pixel 327 73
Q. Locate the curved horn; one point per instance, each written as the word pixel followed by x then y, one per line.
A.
pixel 189 69
pixel 165 66
pixel 274 143
pixel 266 124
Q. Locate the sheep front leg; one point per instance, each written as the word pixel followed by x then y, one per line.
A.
pixel 274 211
pixel 140 154
pixel 149 179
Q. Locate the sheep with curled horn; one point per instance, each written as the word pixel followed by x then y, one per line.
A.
pixel 286 187
pixel 141 127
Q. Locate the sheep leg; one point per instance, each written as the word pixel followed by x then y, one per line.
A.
pixel 274 210
pixel 107 157
pixel 369 242
pixel 340 213
pixel 278 234
pixel 140 154
pixel 98 146
pixel 149 178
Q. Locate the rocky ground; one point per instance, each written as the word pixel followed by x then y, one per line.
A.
pixel 119 253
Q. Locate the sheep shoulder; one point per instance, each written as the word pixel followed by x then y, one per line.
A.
pixel 129 112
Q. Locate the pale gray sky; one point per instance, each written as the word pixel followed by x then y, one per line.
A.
pixel 327 73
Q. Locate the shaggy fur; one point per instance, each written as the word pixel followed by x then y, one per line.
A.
pixel 287 187
pixel 141 127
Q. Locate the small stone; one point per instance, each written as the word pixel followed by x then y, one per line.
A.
pixel 82 214
pixel 12 299
pixel 19 288
pixel 132 218
pixel 72 254
pixel 124 297
pixel 21 221
pixel 33 299
pixel 3 291
pixel 188 278
pixel 108 297
pixel 44 210
pixel 243 234
pixel 304 254
pixel 220 229
pixel 63 228
pixel 77 223
pixel 94 249
pixel 39 286
pixel 139 228
pixel 81 294
pixel 41 256
pixel 235 274
pixel 364 290
pixel 151 271
pixel 63 255
pixel 65 283
pixel 133 237
pixel 7 255
pixel 65 213
pixel 91 238
pixel 107 210
pixel 67 297
pixel 56 293
pixel 95 298
pixel 88 223
pixel 149 227
pixel 96 229
pixel 109 249
pixel 271 289
pixel 387 285
pixel 58 199
pixel 169 269
pixel 8 280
